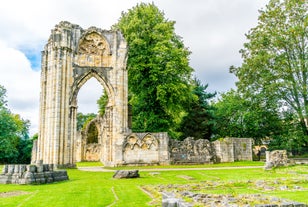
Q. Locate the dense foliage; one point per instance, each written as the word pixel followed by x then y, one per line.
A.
pixel 159 74
pixel 15 145
pixel 275 68
pixel 237 116
pixel 199 120
pixel 84 119
pixel 102 103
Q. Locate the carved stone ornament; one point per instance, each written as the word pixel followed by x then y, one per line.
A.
pixel 93 44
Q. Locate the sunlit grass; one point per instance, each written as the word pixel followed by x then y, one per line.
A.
pixel 89 164
pixel 100 189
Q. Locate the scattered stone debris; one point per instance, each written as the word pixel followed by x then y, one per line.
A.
pixel 193 194
pixel 126 174
pixel 256 200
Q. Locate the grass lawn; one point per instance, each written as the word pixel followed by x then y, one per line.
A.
pixel 100 189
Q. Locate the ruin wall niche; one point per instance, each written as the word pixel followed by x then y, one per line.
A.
pixel 192 151
pixel 146 149
pixel 71 57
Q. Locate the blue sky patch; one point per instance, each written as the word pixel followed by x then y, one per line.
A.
pixel 34 57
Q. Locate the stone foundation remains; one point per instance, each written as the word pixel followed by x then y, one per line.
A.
pixel 276 158
pixel 31 174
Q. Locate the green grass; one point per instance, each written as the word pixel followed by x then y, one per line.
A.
pixel 89 164
pixel 100 189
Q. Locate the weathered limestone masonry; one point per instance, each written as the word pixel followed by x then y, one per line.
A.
pixel 31 174
pixel 204 151
pixel 86 151
pixel 70 58
pixel 191 151
pixel 233 149
pixel 146 149
pixel 276 158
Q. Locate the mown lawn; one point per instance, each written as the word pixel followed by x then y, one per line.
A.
pixel 100 189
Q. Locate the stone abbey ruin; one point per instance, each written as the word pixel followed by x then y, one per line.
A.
pixel 70 58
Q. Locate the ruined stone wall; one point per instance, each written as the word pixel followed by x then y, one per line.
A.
pixel 233 149
pixel 242 149
pixel 224 150
pixel 204 151
pixel 146 149
pixel 31 174
pixel 276 158
pixel 191 151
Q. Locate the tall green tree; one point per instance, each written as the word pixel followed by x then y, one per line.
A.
pixel 237 116
pixel 159 74
pixel 13 132
pixel 199 120
pixel 275 65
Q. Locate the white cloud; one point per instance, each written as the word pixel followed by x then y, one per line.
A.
pixel 212 29
pixel 21 83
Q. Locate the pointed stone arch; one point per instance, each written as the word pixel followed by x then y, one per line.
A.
pixel 70 58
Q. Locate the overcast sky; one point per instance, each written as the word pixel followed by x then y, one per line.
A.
pixel 213 30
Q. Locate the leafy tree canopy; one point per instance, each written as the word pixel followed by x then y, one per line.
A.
pixel 275 58
pixel 237 116
pixel 199 120
pixel 158 69
pixel 84 119
pixel 13 134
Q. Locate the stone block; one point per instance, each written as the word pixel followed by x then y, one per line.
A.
pixel 40 168
pixel 10 169
pixel 45 167
pixel 16 168
pixel 119 174
pixel 51 167
pixel 31 168
pixel 5 169
pixel 22 168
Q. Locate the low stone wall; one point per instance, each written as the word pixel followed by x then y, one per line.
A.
pixel 31 174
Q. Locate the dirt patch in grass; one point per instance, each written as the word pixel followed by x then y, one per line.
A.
pixel 12 193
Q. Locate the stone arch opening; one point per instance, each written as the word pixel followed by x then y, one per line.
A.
pixel 91 140
pixel 92 134
pixel 80 81
pixel 70 58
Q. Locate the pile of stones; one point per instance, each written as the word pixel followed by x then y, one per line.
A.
pixel 218 200
pixel 31 174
